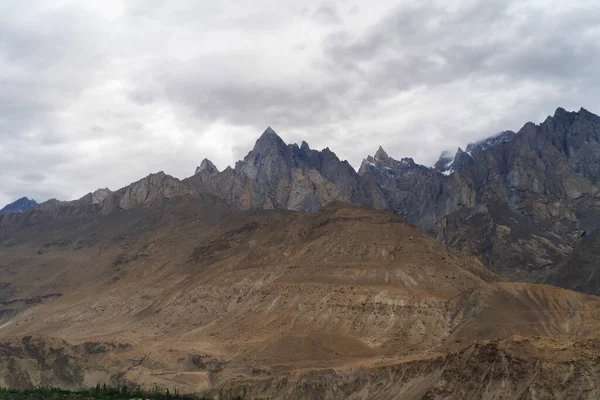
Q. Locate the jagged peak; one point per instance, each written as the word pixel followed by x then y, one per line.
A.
pixel 381 154
pixel 560 112
pixel 20 205
pixel 269 134
pixel 327 151
pixel 207 166
pixel 304 146
pixel 588 114
pixel 268 139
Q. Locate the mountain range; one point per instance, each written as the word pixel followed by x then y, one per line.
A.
pixel 519 202
pixel 292 275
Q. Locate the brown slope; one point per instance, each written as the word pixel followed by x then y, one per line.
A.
pixel 499 310
pixel 512 368
pixel 254 288
pixel 203 298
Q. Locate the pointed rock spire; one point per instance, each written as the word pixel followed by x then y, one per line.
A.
pixel 267 140
pixel 270 159
pixel 208 167
pixel 269 134
pixel 381 154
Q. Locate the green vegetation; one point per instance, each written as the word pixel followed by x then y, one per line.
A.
pixel 99 392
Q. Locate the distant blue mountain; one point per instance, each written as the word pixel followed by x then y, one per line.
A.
pixel 19 206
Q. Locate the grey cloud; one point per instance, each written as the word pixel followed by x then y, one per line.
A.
pixel 484 38
pixel 33 177
pixel 327 14
pixel 96 94
pixel 253 103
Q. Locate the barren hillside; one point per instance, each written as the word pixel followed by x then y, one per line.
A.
pixel 206 299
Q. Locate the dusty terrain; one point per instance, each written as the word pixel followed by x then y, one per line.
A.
pixel 344 303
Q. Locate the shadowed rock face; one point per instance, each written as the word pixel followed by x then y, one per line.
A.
pixel 546 177
pixel 581 269
pixel 517 200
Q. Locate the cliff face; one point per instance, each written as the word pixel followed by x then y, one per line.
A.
pixel 535 193
pixel 520 201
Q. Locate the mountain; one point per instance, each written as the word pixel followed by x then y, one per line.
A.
pixel 19 206
pixel 292 275
pixel 346 302
pixel 542 183
pixel 275 175
pixel 519 201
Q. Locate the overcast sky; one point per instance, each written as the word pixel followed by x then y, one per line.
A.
pixel 99 93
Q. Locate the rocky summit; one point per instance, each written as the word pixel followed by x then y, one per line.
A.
pixel 18 206
pixel 291 275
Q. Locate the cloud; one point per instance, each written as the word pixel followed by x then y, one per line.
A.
pixel 101 93
pixel 327 14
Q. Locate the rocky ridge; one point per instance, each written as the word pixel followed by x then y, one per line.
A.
pixel 518 201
